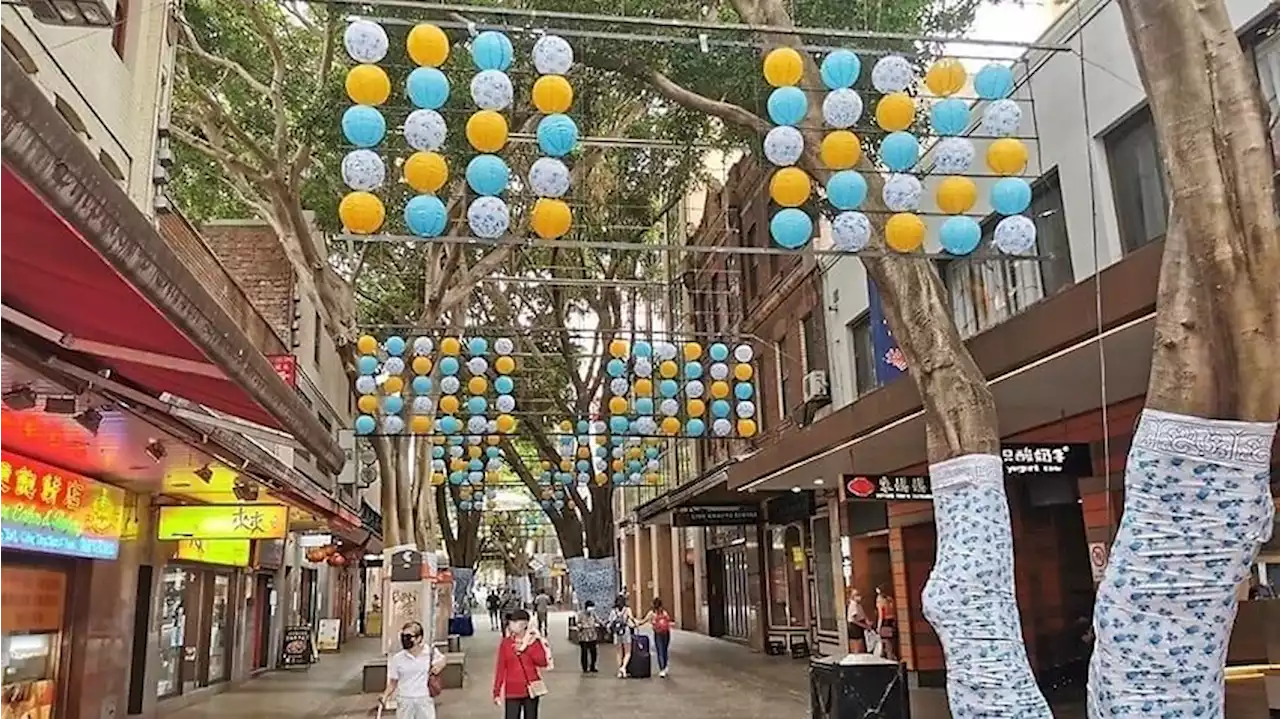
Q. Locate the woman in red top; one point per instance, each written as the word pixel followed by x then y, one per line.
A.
pixel 517 680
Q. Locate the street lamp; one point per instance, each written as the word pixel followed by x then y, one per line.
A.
pixel 71 13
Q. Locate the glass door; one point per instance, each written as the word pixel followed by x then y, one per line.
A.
pixel 173 622
pixel 219 628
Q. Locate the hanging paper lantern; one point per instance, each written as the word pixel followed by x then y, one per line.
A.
pixel 395 345
pixel 425 130
pixel 424 405
pixel 742 372
pixel 719 371
pixel 960 235
pixel 644 387
pixel 448 402
pixel 746 428
pixel 840 69
pixel 368 85
pixel 668 387
pixel 718 352
pixel 694 388
pixel 365 424
pixel 743 353
pixel 551 218
pixel 491 50
pixel 426 172
pixel 361 213
pixel 478 347
pixel 451 346
pixel 899 151
pixel 367 364
pixel 366 384
pixel 945 77
pixel 476 424
pixel 783 145
pixel 1010 196
pixel 506 423
pixel 367 403
pixel 425 216
pixel 619 385
pixel 668 369
pixel 642 349
pixel 670 425
pixel 695 407
pixel 365 41
pixel 692 370
pixel 904 232
pixel 840 150
pixel 852 233
pixel 618 348
pixel 618 424
pixel 842 108
pixel 721 427
pixel 993 82
pixel 552 94
pixel 552 55
pixel 557 135
pixel 505 365
pixel 363 126
pixel 743 390
pixel 506 403
pixel 950 116
pixel 1007 156
pixel 953 155
pixel 487 131
pixel 643 367
pixel 695 427
pixel 644 405
pixel 504 346
pixel 549 177
pixel 791 228
pixel 392 405
pixel 787 105
pixel 895 111
pixel 420 424
pixel 393 366
pixel 1015 235
pixel 1001 118
pixel 901 193
pixel 692 351
pixel 669 408
pixel 367 344
pixel 790 187
pixel 487 175
pixel 491 90
pixel 477 366
pixel 745 409
pixel 956 194
pixel 665 351
pixel 392 425
pixel 427 88
pixel 427 45
pixel 783 66
pixel 846 190
pixel 488 217
pixel 363 170
pixel 892 73
pixel 422 345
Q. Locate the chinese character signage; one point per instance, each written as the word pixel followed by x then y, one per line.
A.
pixel 46 509
pixel 1031 458
pixel 227 552
pixel 714 516
pixel 890 362
pixel 223 521
pixel 885 487
pixel 287 367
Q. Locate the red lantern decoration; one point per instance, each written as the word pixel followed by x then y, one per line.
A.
pixel 315 555
pixel 337 560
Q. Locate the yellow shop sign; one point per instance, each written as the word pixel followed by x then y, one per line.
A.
pixel 224 521
pixel 227 552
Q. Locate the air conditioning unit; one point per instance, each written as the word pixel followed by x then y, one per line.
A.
pixel 815 386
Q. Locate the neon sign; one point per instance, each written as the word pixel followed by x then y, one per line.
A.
pixel 50 510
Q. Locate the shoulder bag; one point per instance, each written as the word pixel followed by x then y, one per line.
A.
pixel 537 687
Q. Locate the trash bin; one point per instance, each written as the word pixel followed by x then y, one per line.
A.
pixel 859 686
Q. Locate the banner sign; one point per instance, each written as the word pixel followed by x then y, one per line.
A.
pixel 47 509
pixel 885 487
pixel 223 521
pixel 890 362
pixel 1037 458
pixel 714 516
pixel 298 650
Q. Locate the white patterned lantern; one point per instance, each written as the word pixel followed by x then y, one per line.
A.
pixel 669 407
pixel 365 41
pixel 488 217
pixel 392 424
pixel 506 403
pixel 423 404
pixel 665 351
pixel 449 385
pixel 366 384
pixel 393 365
pixel 852 231
pixel 643 367
pixel 902 193
pixel 1015 235
pixel 646 425
pixel 477 424
pixel 491 90
pixel 1001 118
pixel 719 371
pixel 745 410
pixel 892 73
pixel 425 130
pixel 842 108
pixel 504 346
pixel 694 389
pixel 549 177
pixel 619 385
pixel 743 353
pixel 953 156
pixel 721 427
pixel 422 345
pixel 363 170
pixel 783 145
pixel 477 365
pixel 552 55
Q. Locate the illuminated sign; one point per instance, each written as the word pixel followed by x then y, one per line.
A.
pixel 229 552
pixel 223 521
pixel 46 509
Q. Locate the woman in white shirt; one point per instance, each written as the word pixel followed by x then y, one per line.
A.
pixel 409 674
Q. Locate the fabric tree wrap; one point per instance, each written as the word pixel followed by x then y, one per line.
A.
pixel 594 579
pixel 463 578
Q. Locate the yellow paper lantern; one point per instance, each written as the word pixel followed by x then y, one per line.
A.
pixel 696 408
pixel 422 365
pixel 551 218
pixel 1007 156
pixel 565 465
pixel 367 345
pixel 361 212
pixel 742 372
pixel 644 387
pixel 473 452
pixel 633 453
pixel 477 385
pixel 506 423
pixel 420 424
pixel 437 439
pixel 368 85
pixel 668 369
pixel 367 403
pixel 458 465
pixel 505 365
pixel 426 171
pixel 393 385
pixel 904 232
pixel 840 150
pixel 790 187
pixel 584 453
pixel 692 351
pixel 616 465
pixel 449 404
pixel 618 405
pixel 895 111
pixel 487 131
pixel 546 466
pixel 450 346
pixel 719 389
pixel 618 348
pixel 552 94
pixel 746 428
pixel 653 478
pixel 783 66
pixel 437 478
pixel 945 77
pixel 956 194
pixel 428 45
pixel 670 425
pixel 601 480
pixel 493 440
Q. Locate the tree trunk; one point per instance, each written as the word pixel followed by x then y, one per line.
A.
pixel 1197 495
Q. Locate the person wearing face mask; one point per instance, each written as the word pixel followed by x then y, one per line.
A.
pixel 409 673
pixel 517 678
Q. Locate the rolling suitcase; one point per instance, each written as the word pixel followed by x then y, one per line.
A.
pixel 640 665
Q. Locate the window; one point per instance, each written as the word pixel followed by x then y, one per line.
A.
pixel 787 577
pixel 1137 179
pixel 784 376
pixel 824 576
pixel 864 355
pixel 120 27
pixel 815 342
pixel 1266 57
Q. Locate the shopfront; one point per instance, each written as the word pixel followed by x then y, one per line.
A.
pixel 788 542
pixel 733 572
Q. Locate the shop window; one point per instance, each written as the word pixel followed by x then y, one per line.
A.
pixel 172 623
pixel 34 602
pixel 1138 181
pixel 864 355
pixel 824 576
pixel 787 607
pixel 219 626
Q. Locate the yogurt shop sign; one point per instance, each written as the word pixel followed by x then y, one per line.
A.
pixel 47 509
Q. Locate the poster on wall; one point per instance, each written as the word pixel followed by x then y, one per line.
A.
pixel 327 635
pixel 298 650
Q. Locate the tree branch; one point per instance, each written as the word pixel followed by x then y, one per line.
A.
pixel 681 95
pixel 194 48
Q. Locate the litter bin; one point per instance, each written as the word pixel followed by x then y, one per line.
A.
pixel 860 686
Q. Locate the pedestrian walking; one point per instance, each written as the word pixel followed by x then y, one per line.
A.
pixel 887 624
pixel 859 625
pixel 621 624
pixel 589 629
pixel 517 677
pixel 541 606
pixel 660 619
pixel 494 605
pixel 410 673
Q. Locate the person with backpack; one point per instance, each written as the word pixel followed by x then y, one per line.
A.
pixel 620 625
pixel 660 618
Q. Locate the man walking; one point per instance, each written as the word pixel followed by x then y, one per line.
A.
pixel 541 606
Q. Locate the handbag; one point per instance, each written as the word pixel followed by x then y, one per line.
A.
pixel 537 687
pixel 434 685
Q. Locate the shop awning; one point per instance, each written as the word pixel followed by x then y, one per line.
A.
pixel 711 489
pixel 81 260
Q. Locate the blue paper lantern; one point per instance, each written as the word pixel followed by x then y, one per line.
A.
pixel 449 425
pixel 633 466
pixel 651 452
pixel 449 366
pixel 787 105
pixel 743 390
pixel 993 82
pixel 478 346
pixel 557 135
pixel 668 388
pixel 899 151
pixel 491 50
pixel 1011 196
pixel 791 228
pixel 616 367
pixel 619 478
pixel 504 385
pixel 960 235
pixel 437 452
pixel 367 364
pixel 427 88
pixel 363 126
pixel 425 215
pixel 618 424
pixel 365 424
pixel 488 175
pixel 492 452
pixel 720 409
pixel 421 384
pixel 475 465
pixel 950 116
pixel 642 349
pixel 457 477
pixel 394 345
pixel 644 405
pixel 455 441
pixel 719 352
pixel 477 405
pixel 695 427
pixel 846 190
pixel 840 69
pixel 583 427
pixel 692 370
pixel 392 404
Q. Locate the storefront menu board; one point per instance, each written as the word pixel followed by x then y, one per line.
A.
pixel 298 651
pixel 47 509
pixel 328 635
